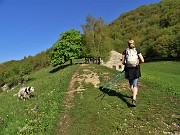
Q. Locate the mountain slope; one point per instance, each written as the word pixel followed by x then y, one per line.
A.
pixel 155 29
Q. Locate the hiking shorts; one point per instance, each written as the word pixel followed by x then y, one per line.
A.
pixel 133 82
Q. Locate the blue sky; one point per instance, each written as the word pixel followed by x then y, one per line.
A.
pixel 28 27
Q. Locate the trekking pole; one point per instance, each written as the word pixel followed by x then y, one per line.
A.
pixel 113 81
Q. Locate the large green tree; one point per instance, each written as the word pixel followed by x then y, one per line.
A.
pixel 68 47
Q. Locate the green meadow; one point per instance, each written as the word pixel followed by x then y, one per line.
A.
pixel 164 75
pixel 94 110
pixel 38 114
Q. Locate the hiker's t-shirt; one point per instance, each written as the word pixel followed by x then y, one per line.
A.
pixel 132 72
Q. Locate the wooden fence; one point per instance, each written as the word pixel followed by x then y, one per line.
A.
pixel 92 60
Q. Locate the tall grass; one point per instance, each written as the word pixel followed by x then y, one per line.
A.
pixel 38 114
pixel 164 75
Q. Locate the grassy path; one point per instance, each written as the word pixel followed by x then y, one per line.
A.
pixel 99 112
pixel 68 103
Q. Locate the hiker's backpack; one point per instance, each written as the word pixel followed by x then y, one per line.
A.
pixel 131 57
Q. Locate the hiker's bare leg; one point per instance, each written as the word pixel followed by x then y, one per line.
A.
pixel 133 87
pixel 134 91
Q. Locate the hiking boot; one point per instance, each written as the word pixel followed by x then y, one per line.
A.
pixel 134 102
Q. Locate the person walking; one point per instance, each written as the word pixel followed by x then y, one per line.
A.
pixel 131 58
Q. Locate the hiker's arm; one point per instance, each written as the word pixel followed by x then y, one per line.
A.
pixel 123 59
pixel 141 58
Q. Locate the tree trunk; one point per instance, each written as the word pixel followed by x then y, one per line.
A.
pixel 70 61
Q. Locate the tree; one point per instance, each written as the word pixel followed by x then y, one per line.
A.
pixel 96 37
pixel 68 47
pixel 167 46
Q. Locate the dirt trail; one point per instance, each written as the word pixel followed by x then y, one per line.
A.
pixel 76 86
pixel 88 77
pixel 67 103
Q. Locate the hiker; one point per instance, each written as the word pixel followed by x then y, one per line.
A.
pixel 132 58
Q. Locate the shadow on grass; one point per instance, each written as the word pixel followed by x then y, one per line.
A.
pixel 56 69
pixel 114 93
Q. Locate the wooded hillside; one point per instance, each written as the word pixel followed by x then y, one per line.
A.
pixel 16 72
pixel 155 29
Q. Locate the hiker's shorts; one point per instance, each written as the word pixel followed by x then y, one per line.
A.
pixel 133 82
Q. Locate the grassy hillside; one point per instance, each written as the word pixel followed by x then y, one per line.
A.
pixel 162 75
pixel 93 110
pixel 38 114
pixel 99 112
pixel 153 27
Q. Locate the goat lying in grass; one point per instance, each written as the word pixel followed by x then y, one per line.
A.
pixel 25 93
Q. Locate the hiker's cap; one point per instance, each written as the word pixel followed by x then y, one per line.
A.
pixel 131 41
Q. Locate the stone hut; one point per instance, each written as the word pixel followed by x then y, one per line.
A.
pixel 115 61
